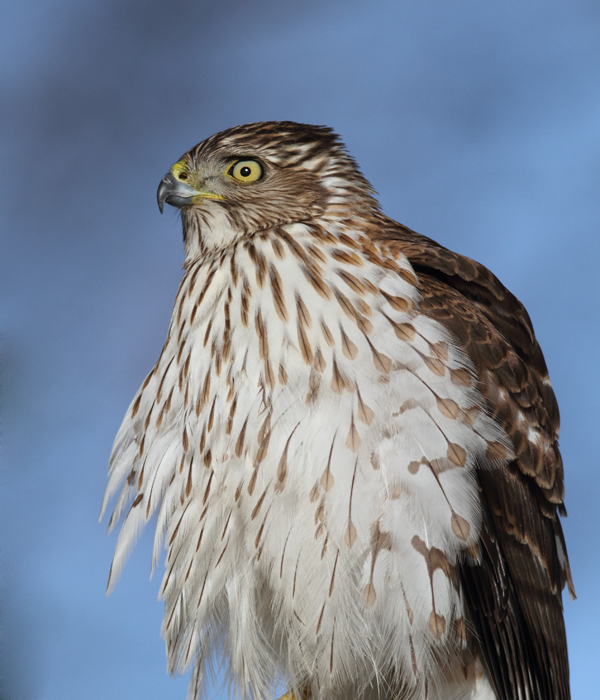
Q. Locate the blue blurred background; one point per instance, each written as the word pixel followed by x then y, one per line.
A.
pixel 477 122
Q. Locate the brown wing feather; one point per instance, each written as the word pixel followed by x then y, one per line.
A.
pixel 514 592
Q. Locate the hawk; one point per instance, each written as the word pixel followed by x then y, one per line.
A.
pixel 349 441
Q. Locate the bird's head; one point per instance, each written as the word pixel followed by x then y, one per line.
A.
pixel 255 177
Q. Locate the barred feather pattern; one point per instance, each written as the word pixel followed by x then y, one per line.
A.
pixel 309 440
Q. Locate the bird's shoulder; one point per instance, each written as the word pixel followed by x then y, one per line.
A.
pixel 495 330
pixel 515 591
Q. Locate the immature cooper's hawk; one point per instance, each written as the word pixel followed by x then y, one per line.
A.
pixel 350 439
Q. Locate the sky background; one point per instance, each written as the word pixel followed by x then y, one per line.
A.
pixel 479 125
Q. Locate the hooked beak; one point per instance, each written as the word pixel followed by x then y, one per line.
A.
pixel 178 194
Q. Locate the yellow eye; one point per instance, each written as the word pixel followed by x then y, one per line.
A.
pixel 246 171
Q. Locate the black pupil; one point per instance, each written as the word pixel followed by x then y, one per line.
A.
pixel 245 171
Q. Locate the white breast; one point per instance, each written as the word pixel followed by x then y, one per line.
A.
pixel 311 448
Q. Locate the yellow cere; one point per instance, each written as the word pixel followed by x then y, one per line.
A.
pixel 246 171
pixel 180 171
pixel 180 168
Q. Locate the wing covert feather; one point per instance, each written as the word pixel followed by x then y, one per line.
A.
pixel 514 592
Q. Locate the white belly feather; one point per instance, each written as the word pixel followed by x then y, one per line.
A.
pixel 316 493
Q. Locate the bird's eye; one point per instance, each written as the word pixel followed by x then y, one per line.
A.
pixel 183 176
pixel 246 171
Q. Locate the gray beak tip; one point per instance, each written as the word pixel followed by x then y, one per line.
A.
pixel 164 189
pixel 173 192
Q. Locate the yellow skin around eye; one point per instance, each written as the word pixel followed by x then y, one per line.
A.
pixel 246 171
